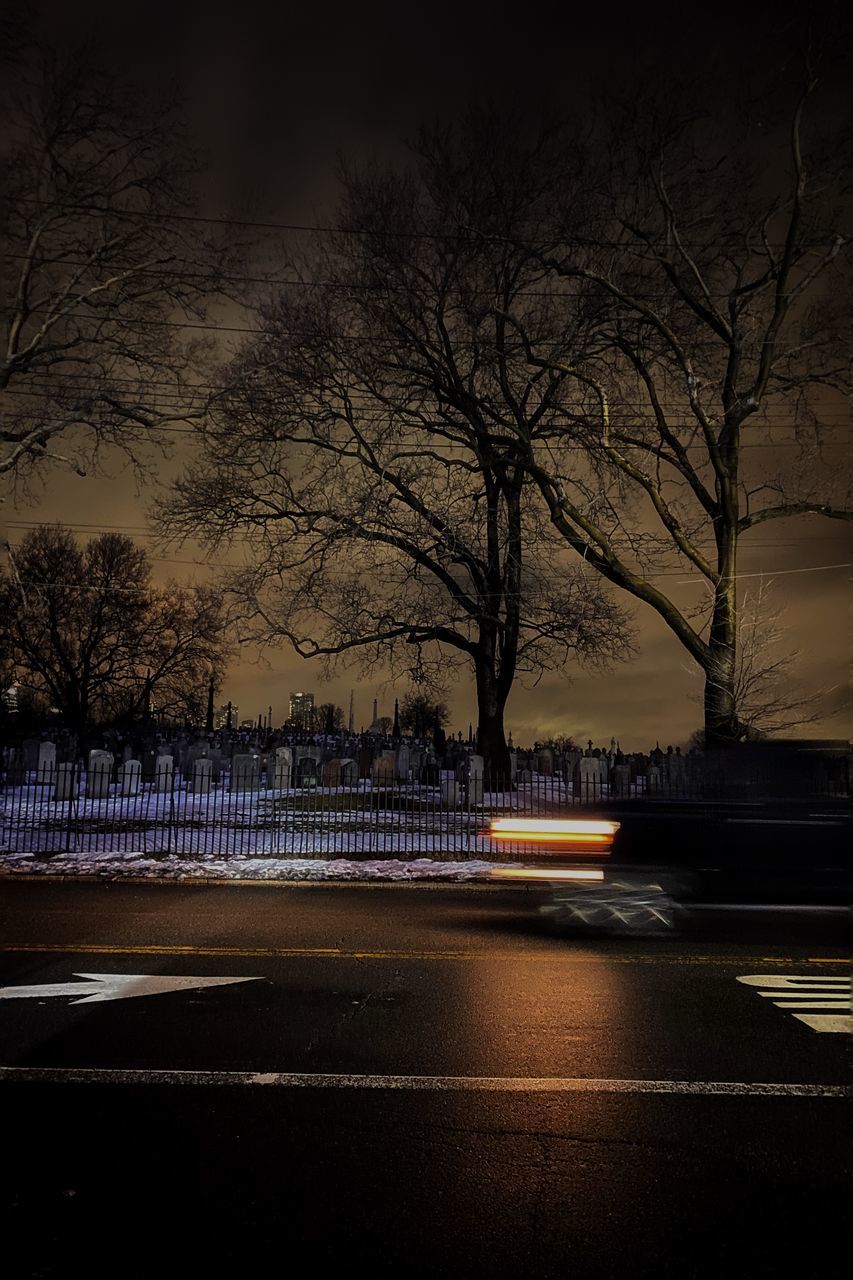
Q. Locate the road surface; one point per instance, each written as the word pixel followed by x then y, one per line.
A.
pixel 414 1081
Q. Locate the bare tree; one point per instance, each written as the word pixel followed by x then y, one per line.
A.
pixel 421 712
pixel 766 698
pixel 709 281
pixel 369 455
pixel 87 634
pixel 100 262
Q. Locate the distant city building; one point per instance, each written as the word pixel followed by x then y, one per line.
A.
pixel 302 710
pixel 220 717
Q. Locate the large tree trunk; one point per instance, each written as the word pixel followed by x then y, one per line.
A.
pixel 722 727
pixel 491 738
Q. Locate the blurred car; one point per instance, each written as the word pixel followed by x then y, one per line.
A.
pixel 573 859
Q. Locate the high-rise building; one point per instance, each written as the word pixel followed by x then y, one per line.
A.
pixel 302 710
pixel 220 717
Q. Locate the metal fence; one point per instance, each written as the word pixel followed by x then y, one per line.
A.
pixel 61 813
pixel 360 822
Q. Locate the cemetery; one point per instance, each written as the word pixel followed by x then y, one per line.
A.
pixel 345 796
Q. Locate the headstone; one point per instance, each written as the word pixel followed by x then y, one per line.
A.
pixel 306 771
pixel 46 761
pixel 475 779
pixel 430 773
pixel 546 762
pixel 30 750
pixel 349 772
pixel 384 769
pixel 590 777
pixel 525 777
pixel 130 777
pixel 245 773
pixel 149 762
pixel 622 779
pixel 282 768
pixel 403 763
pixel 202 776
pixel 449 791
pixel 99 775
pixel 164 773
pixel 67 779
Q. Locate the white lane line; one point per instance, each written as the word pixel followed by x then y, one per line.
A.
pixel 462 1084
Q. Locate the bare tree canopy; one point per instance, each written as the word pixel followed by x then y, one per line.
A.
pixel 421 712
pixel 99 262
pixel 85 632
pixel 370 456
pixel 708 279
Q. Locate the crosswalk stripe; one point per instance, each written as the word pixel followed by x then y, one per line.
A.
pixel 805 991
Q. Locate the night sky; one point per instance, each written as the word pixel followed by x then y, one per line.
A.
pixel 274 92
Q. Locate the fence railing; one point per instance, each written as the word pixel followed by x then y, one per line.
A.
pixel 61 811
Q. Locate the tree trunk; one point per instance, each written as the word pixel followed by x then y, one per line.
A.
pixel 491 738
pixel 722 727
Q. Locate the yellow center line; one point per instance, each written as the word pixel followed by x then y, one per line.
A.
pixel 343 953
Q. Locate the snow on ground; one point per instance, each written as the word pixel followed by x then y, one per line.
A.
pixel 139 866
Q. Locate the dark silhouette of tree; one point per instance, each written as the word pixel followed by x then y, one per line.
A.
pixel 87 633
pixel 370 454
pixel 419 712
pixel 705 262
pixel 329 717
pixel 98 262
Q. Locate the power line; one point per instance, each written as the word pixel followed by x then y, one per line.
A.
pixel 359 286
pixel 43 385
pixel 145 531
pixel 93 211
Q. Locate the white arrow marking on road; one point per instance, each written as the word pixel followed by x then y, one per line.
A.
pixel 100 987
pixel 807 991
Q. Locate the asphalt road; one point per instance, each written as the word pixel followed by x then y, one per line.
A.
pixel 414 1082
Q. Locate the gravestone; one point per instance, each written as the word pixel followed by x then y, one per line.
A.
pixel 164 773
pixel 430 775
pixel 590 777
pixel 384 769
pixel 525 777
pixel 282 768
pixel 403 764
pixel 245 773
pixel 449 790
pixel 67 779
pixel 546 762
pixel 130 777
pixel 475 779
pixel 202 776
pixel 342 771
pixel 307 772
pixel 46 761
pixel 622 779
pixel 30 749
pixel 365 761
pixel 99 775
pixel 149 764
